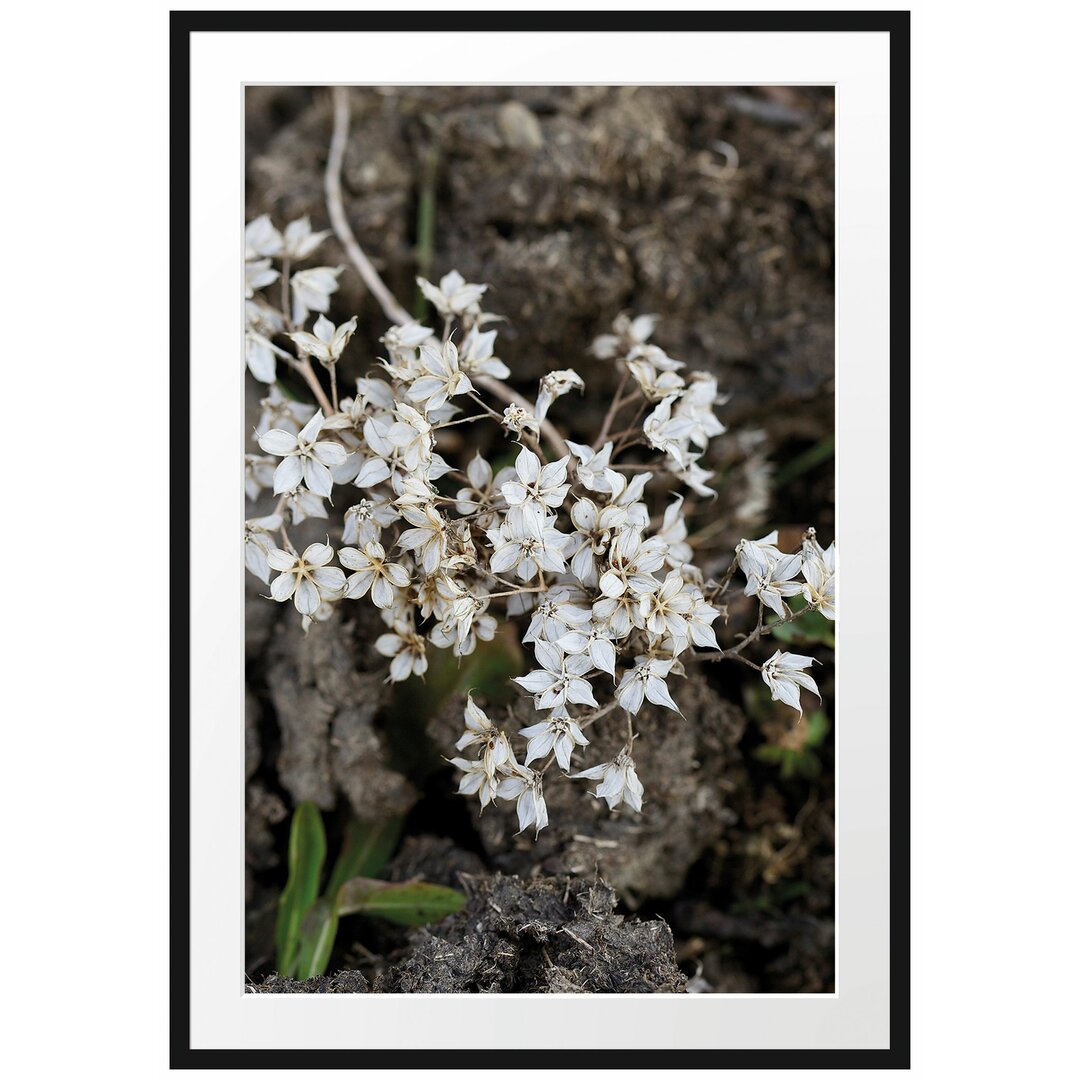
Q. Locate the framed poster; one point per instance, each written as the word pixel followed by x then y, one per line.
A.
pixel 569 370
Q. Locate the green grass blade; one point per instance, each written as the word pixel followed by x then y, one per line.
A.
pixel 411 903
pixel 366 850
pixel 307 853
pixel 317 933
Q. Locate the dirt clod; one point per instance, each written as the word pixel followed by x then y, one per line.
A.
pixel 548 935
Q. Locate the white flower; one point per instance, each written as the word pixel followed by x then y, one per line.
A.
pixel 593 531
pixel 594 639
pixel 645 680
pixel 517 420
pixel 476 355
pixel 454 295
pixel 536 490
pixel 372 572
pixel 673 532
pixel 593 466
pixel 306 459
pixel 261 238
pixel 412 436
pixel 477 780
pixel 655 385
pixel 628 496
pixel 751 553
pixel 558 733
pixel 784 673
pixel 770 581
pixel 480 494
pixel 694 476
pixel 300 241
pixel 528 788
pixel 665 610
pixel 668 433
pixel 407 337
pixel 312 289
pixel 559 680
pixel 464 625
pixel 258 543
pixel 654 356
pixel 261 323
pixel 260 358
pixel 495 749
pixel 258 474
pixel 478 727
pixel 443 379
pixel 619 781
pixel 560 610
pixel 702 615
pixel 306 578
pixel 819 570
pixel 327 342
pixel 618 615
pixel 514 550
pixel 407 650
pixel 553 385
pixel 632 562
pixel 427 538
pixel 696 405
pixel 303 504
pixel 278 411
pixel 365 520
pixel 257 275
pixel 628 334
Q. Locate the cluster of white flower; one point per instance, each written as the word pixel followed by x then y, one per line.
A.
pixel 608 597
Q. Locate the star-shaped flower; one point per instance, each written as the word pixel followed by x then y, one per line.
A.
pixel 559 734
pixel 307 460
pixel 327 342
pixel 785 674
pixel 453 295
pixel 373 572
pixel 305 578
pixel 618 781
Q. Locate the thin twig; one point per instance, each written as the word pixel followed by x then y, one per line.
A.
pixel 616 405
pixel 305 369
pixel 761 630
pixel 286 302
pixel 336 209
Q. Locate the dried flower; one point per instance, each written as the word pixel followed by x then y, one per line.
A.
pixel 327 342
pixel 305 578
pixel 784 674
pixel 558 734
pixel 618 782
pixel 307 460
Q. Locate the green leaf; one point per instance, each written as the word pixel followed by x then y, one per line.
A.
pixel 411 903
pixel 817 727
pixel 317 933
pixel 307 852
pixel 366 850
pixel 770 754
pixel 810 628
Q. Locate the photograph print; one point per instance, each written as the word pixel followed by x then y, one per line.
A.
pixel 539 534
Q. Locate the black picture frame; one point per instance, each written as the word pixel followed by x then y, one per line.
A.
pixel 894 23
